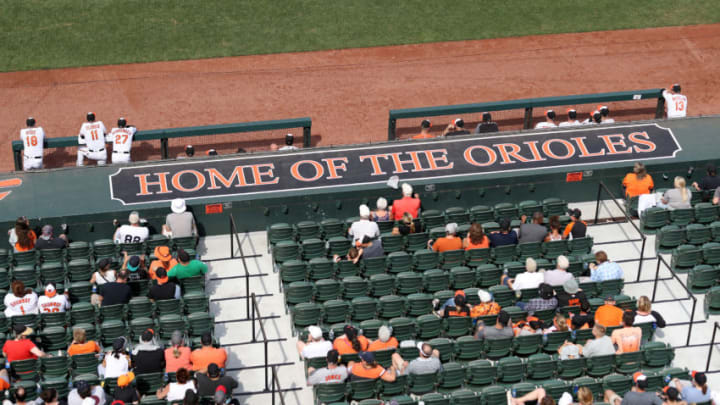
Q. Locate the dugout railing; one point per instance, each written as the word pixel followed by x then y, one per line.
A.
pixel 525 104
pixel 164 135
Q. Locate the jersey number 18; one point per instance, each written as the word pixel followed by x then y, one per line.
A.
pixel 31 140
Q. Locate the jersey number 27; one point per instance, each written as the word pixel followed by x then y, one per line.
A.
pixel 118 138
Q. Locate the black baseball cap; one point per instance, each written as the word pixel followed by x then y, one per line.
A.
pixel 213 370
pixel 183 255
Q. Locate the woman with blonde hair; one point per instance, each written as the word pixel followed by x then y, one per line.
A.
pixel 80 344
pixel 678 197
pixel 645 314
pixel 20 300
pixel 406 225
pixel 381 213
pixel 476 238
pixel 638 182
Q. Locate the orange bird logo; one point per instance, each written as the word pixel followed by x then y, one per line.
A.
pixel 8 183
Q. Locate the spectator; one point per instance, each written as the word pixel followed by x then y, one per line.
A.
pixel 559 324
pixel 609 315
pixel 350 342
pixel 52 302
pixel 487 124
pixel 604 269
pixel 449 301
pixel 645 314
pixel 180 223
pixel 147 356
pixel 526 280
pixel 504 236
pixel 21 348
pixel 695 391
pixel 500 330
pixel 164 289
pixel 177 356
pixel 577 228
pixel 675 103
pixel 636 396
pixel 487 305
pixel 584 319
pixel 531 326
pixel 602 345
pixel 315 346
pixel 48 241
pixel 364 227
pixel 221 397
pixel 569 350
pixel 408 203
pixel 83 391
pixel 20 300
pixel 133 233
pixel 116 292
pixel 49 396
pixel 450 242
pixel 476 238
pixel 459 307
pixel 353 255
pixel 117 362
pixel 333 373
pixel 289 140
pixel 572 120
pixel 549 120
pixel 20 397
pixel 12 232
pixel 709 183
pixel 381 213
pixel 191 398
pixel 175 391
pixel 457 127
pixel 208 383
pixel 555 233
pixel 628 338
pixel 189 152
pixel 560 275
pixel 537 396
pixel 405 226
pixel 124 391
pixel 368 369
pixel 428 361
pixel 24 236
pixel 533 232
pixel 368 248
pixel 135 266
pixel 164 260
pixel 545 300
pixel 605 112
pixel 638 182
pixel 208 354
pixel 186 267
pixel 384 340
pixel 672 396
pixel 104 273
pixel 571 295
pixel 80 344
pixel 424 130
pixel 678 197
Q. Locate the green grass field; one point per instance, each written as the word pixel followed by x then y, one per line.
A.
pixel 62 33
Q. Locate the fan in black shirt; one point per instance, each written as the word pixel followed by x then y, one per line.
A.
pixel 707 185
pixel 487 125
pixel 147 357
pixel 164 289
pixel 116 292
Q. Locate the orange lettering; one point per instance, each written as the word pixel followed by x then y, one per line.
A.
pixel 570 149
pixel 295 170
pixel 145 184
pixel 377 170
pixel 333 167
pixel 505 154
pixel 215 176
pixel 399 163
pixel 580 142
pixel 492 156
pixel 432 159
pixel 635 138
pixel 257 174
pixel 611 144
pixel 534 150
pixel 199 181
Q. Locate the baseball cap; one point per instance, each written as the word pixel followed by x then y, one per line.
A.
pixel 183 255
pixel 125 379
pixel 133 263
pixel 102 263
pixel 610 298
pixel 422 352
pixel 119 343
pixel 425 124
pixel 459 122
pixel 134 217
pixel 575 213
pixel 484 296
pixel 213 370
pixel 220 394
pixel 212 152
pixel 451 228
pixel 639 377
pixel 178 206
pixel 22 330
pixel 571 286
pixel 50 290
pixel 459 292
pixel 367 357
pixel 47 230
pixel 161 276
pixel 315 332
pixel 163 253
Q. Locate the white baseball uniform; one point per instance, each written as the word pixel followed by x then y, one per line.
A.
pixel 569 123
pixel 57 303
pixel 20 306
pixel 131 234
pixel 92 136
pixel 545 124
pixel 607 121
pixel 676 104
pixel 121 139
pixel 33 139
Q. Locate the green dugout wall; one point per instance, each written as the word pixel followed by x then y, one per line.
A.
pixel 260 189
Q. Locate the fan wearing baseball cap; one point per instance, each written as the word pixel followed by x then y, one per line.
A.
pixel 456 127
pixel 164 289
pixel 315 345
pixel 209 382
pixel 369 369
pixel 124 391
pixel 695 391
pixel 425 126
pixel 577 228
pixel 135 266
pixel 21 348
pixel 636 396
pixel 52 301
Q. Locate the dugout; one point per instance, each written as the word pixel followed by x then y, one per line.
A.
pixel 265 188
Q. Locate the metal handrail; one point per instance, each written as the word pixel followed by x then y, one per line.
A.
pixel 255 314
pixel 279 390
pixel 690 294
pixel 234 238
pixel 712 343
pixel 601 187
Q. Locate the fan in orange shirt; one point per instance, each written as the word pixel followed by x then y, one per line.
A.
pixel 350 342
pixel 424 130
pixel 449 242
pixel 80 344
pixel 609 315
pixel 384 341
pixel 638 182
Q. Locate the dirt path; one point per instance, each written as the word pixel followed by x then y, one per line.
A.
pixel 348 92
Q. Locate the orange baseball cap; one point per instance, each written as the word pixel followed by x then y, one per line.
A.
pixel 50 291
pixel 125 379
pixel 459 292
pixel 639 376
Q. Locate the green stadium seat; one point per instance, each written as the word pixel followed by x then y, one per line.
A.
pixel 432 219
pixel 503 254
pixel 77 250
pixel 370 328
pixel 580 246
pixel 82 312
pixel 382 285
pixel 395 390
pixel 199 323
pixel 111 312
pixel 417 241
pixel 697 234
pixel 685 257
pixel 668 238
pixel 527 345
pixel 435 398
pixel 298 292
pixel 320 268
pixel 337 245
pixel 30 386
pixel 445 346
pixel 482 214
pixel 477 257
pixel 140 288
pixel 711 253
pixel 149 383
pixel 554 340
pixel 280 232
pixel 335 311
pixel 79 270
pixel 506 210
pixel 332 228
pixel 456 326
pixel 480 374
pixel 490 227
pixel 399 262
pixel 653 219
pixel 59 383
pixel 462 277
pixel 51 255
pixel 553 249
pixel 409 282
pixel 620 384
pixel 285 250
pixel 682 216
pixel 436 280
pixel 139 325
pixel 360 390
pixel 530 207
pixel 27 276
pixel 4 279
pixel 419 384
pixel 374 265
pixel 392 243
pixel 503 295
pixel 711 304
pixel 419 304
pixel 657 354
pixel 307 230
pixel 384 357
pixel 111 330
pixel 346 268
pixel 53 338
pixel 425 259
pixel 529 249
pixel 174 306
pixel 514 268
pixel 702 277
pixel 522 388
pixel 24 258
pixel 595 386
pixel 104 248
pixel 364 308
pixel 354 286
pixel 582 335
pixel 48 319
pixel 313 249
pixel 437 232
pixel 556 388
pixel 194 301
pixel 628 363
pixel 494 395
pixel 327 289
pixel 133 249
pixel 497 348
pixel 459 215
pixel 385 226
pixel 510 370
pixel 705 213
pixel 403 328
pixel 554 206
pixel 488 275
pixel 541 367
pixel 468 348
pixel 52 272
pixel 451 377
pixel 610 287
pixel 327 393
pixel 306 314
pixel 452 258
pixel 293 270
pixel 80 291
pixel 391 306
pixel 599 366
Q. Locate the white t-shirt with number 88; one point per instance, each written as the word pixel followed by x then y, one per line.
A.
pixel 131 234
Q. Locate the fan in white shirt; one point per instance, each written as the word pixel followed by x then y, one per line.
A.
pixel 20 301
pixel 133 233
pixel 52 301
pixel 572 119
pixel 549 120
pixel 364 227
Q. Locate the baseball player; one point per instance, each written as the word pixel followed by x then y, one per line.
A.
pixel 121 139
pixel 33 139
pixel 549 120
pixel 289 139
pixel 52 301
pixel 572 119
pixel 604 111
pixel 91 141
pixel 675 102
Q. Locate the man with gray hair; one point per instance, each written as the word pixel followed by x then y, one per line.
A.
pixel 526 280
pixel 532 232
pixel 48 241
pixel 133 233
pixel 408 203
pixel 450 242
pixel 364 227
pixel 428 361
pixel 560 275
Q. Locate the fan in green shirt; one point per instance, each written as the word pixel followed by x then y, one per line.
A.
pixel 186 267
